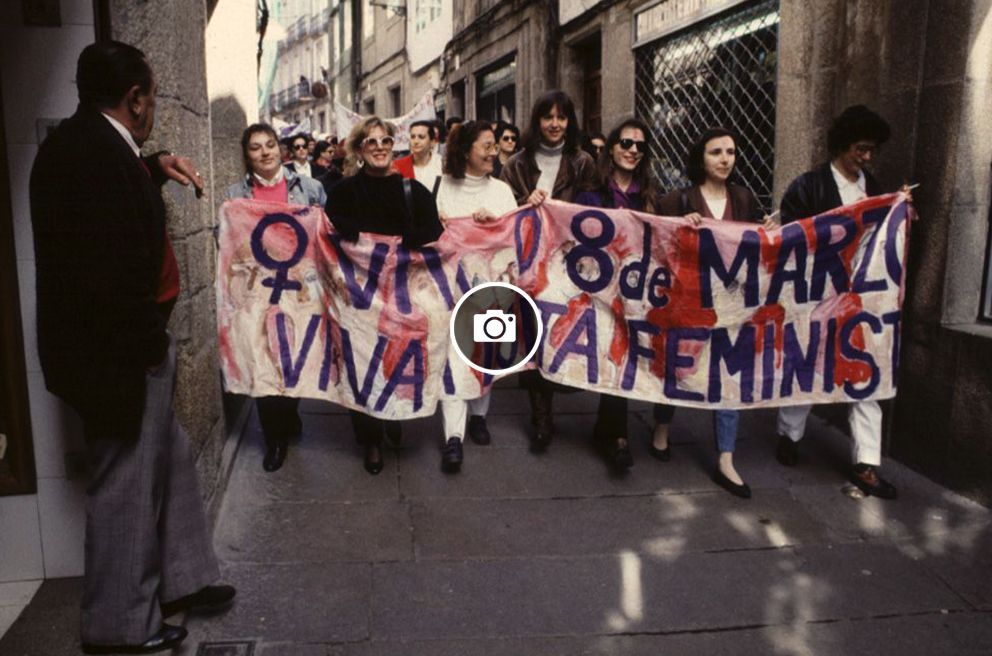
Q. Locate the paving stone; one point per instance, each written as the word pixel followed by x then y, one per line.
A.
pixel 661 526
pixel 316 532
pixel 959 634
pixel 309 475
pixel 308 603
pixel 632 594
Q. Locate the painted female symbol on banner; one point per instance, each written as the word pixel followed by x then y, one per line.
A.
pixel 281 267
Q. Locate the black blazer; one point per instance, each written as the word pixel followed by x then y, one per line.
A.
pixel 99 238
pixel 815 192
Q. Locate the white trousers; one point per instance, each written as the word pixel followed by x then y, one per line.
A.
pixel 456 412
pixel 864 418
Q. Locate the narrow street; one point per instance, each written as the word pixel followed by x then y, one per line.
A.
pixel 553 555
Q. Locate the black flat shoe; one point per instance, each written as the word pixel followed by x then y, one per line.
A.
pixel 742 491
pixel 211 599
pixel 451 456
pixel 373 460
pixel 275 455
pixel 478 432
pixel 663 455
pixel 618 453
pixel 168 637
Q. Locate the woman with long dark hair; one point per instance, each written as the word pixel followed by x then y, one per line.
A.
pixel 710 166
pixel 551 165
pixel 267 179
pixel 373 199
pixel 626 182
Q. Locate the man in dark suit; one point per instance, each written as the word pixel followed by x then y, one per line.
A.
pixel 106 283
pixel 852 140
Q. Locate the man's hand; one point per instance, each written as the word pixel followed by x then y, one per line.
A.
pixel 769 222
pixel 182 170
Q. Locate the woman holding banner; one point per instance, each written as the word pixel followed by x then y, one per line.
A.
pixel 374 198
pixel 710 166
pixel 551 165
pixel 267 179
pixel 627 182
pixel 468 189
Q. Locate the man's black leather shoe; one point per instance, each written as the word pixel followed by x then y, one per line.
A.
pixel 868 480
pixel 478 432
pixel 787 451
pixel 211 599
pixel 275 455
pixel 373 459
pixel 168 637
pixel 451 456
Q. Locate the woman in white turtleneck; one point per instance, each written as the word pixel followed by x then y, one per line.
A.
pixel 551 165
pixel 467 189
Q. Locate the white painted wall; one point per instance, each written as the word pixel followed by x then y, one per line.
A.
pixel 41 536
pixel 231 58
pixel 427 46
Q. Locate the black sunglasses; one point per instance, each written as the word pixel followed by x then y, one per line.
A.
pixel 508 137
pixel 300 147
pixel 626 144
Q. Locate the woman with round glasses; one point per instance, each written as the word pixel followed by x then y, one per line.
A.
pixel 468 189
pixel 551 165
pixel 710 165
pixel 508 141
pixel 267 179
pixel 373 199
pixel 627 182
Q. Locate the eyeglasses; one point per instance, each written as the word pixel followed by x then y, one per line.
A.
pixel 489 148
pixel 864 149
pixel 626 144
pixel 508 137
pixel 300 147
pixel 381 142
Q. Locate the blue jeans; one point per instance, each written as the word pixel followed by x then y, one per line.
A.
pixel 725 428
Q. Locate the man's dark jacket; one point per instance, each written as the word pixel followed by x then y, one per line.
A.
pixel 815 192
pixel 99 235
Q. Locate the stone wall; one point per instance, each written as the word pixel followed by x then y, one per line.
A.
pixel 172 36
pixel 926 66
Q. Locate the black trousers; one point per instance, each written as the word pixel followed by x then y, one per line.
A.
pixel 280 418
pixel 369 430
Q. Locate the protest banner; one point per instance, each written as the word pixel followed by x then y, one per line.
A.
pixel 345 119
pixel 725 314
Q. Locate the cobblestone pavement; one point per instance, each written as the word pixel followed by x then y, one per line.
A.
pixel 553 554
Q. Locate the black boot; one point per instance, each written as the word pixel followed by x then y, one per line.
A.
pixel 541 401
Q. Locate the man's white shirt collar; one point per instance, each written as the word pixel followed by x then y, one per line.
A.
pixel 850 192
pixel 124 133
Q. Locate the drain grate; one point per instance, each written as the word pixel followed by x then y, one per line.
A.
pixel 230 648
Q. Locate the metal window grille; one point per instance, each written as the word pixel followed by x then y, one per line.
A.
pixel 719 72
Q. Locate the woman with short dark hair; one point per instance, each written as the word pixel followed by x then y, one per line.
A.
pixel 508 142
pixel 710 165
pixel 267 179
pixel 551 165
pixel 468 189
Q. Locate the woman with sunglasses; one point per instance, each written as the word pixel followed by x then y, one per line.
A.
pixel 627 182
pixel 508 141
pixel 267 179
pixel 551 165
pixel 710 165
pixel 467 189
pixel 372 199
